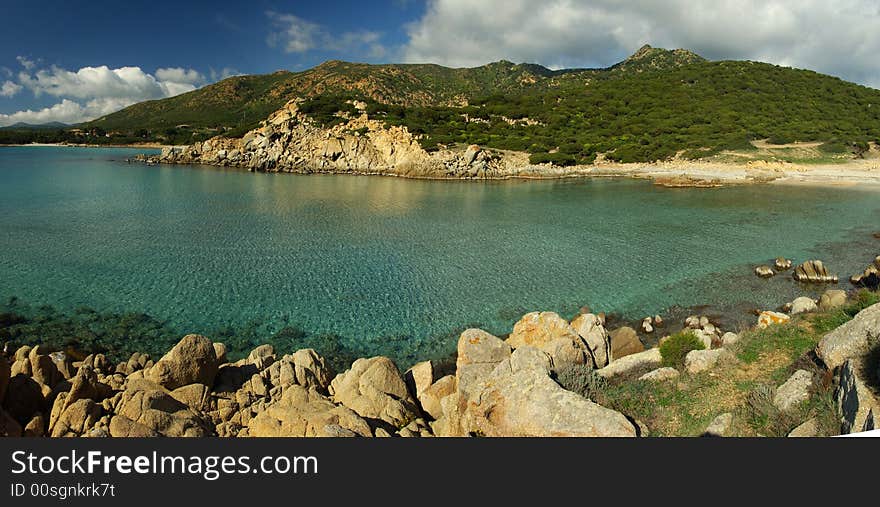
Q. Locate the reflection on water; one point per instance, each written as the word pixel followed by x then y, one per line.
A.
pixel 396 266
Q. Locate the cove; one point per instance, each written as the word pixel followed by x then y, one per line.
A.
pixel 392 266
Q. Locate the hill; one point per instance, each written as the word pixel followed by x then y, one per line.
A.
pixel 40 126
pixel 654 105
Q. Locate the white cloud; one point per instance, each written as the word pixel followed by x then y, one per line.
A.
pixel 225 72
pixel 297 35
pixel 9 89
pixel 91 92
pixel 25 62
pixel 833 37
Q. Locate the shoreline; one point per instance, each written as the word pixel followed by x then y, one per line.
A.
pixel 663 174
pixel 667 174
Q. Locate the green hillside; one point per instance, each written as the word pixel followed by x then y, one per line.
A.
pixel 652 106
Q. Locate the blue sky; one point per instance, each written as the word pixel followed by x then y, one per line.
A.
pixel 72 61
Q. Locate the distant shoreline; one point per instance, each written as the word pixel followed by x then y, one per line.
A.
pixel 670 174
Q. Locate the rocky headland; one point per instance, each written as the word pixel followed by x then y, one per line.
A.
pixel 291 141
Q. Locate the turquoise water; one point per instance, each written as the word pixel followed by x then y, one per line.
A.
pixel 392 266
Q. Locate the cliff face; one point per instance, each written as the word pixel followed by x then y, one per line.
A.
pixel 290 141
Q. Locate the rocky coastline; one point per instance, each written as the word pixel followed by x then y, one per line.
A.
pixel 290 141
pixel 538 381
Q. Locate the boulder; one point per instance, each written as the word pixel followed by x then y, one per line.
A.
pixel 528 403
pixel 782 264
pixel 808 429
pixel 720 426
pixel 660 375
pixel 220 352
pixel 794 391
pixel 768 318
pixel 431 397
pixel 195 396
pixel 729 339
pixel 374 389
pixel 851 340
pixel 832 300
pixel 478 354
pixel 593 333
pixel 310 369
pixel 803 305
pixel 814 272
pixel 540 329
pixel 856 405
pixel 36 427
pixel 698 361
pixel 419 377
pixel 262 357
pixel 43 369
pixel 147 409
pixel 304 412
pixel 648 359
pixel 77 418
pixel 765 272
pixel 191 361
pixel 565 351
pixel 624 342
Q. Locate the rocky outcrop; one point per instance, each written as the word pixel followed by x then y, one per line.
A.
pixel 193 360
pixel 303 412
pixel 291 141
pixel 374 389
pixel 794 391
pixel 720 426
pixel 856 404
pixel 591 329
pixel 803 305
pixel 642 360
pixel 870 277
pixel 832 300
pixel 854 339
pixel 698 361
pixel 768 318
pixel 814 272
pixel 624 342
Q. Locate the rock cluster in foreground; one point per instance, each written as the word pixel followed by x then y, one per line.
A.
pixel 498 388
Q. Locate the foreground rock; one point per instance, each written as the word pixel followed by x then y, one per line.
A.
pixel 374 389
pixel 303 412
pixel 698 361
pixel 794 391
pixel 648 359
pixel 856 404
pixel 767 319
pixel 851 340
pixel 193 360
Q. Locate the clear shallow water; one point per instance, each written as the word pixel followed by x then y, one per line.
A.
pixel 393 266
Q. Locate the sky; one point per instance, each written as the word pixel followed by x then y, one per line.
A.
pixel 72 61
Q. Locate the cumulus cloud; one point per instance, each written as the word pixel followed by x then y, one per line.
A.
pixel 297 35
pixel 9 89
pixel 833 37
pixel 91 92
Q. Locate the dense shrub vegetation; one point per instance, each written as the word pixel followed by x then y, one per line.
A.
pixel 677 346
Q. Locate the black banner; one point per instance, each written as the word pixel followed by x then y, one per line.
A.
pixel 172 472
